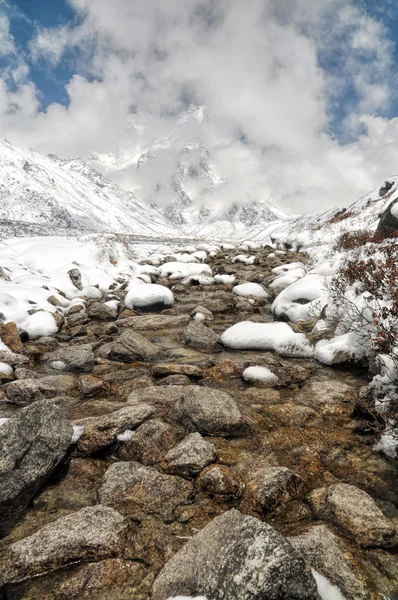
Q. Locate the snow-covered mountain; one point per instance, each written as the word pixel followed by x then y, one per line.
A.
pixel 68 195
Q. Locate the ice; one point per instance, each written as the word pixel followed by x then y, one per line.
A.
pixel 279 337
pixel 326 590
pixel 146 295
pixel 260 374
pixel 250 289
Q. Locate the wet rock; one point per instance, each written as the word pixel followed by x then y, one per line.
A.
pixel 288 414
pixel 10 337
pixel 175 380
pixel 223 371
pixel 328 396
pixel 220 482
pixel 211 412
pixel 56 385
pixel 90 534
pixel 164 369
pixel 154 322
pixel 100 580
pixel 325 553
pixel 236 556
pixel 355 512
pixel 23 391
pixel 190 457
pixel 101 312
pixel 73 358
pixel 270 488
pixel 149 443
pixel 200 337
pixel 100 432
pixel 91 386
pixel 33 443
pixel 129 347
pixel 139 491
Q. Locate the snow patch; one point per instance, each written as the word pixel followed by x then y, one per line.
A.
pixel 260 374
pixel 250 289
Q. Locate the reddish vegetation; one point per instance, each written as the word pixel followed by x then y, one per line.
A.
pixel 341 216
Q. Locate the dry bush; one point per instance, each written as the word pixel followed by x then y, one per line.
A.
pixel 350 240
pixel 342 215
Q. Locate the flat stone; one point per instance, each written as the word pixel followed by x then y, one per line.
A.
pixel 165 369
pixel 209 411
pixel 236 557
pixel 33 443
pixel 149 443
pixel 23 391
pixel 154 322
pixel 175 380
pixel 72 358
pixel 355 512
pixel 139 491
pixel 56 385
pixel 200 337
pixel 328 396
pixel 129 347
pixel 100 432
pixel 190 457
pixel 92 533
pixel 158 395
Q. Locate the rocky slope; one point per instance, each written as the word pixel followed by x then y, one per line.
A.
pixel 183 476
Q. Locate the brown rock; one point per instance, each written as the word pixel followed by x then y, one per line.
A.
pixel 149 443
pixel 269 488
pixel 10 337
pixel 220 482
pixel 91 386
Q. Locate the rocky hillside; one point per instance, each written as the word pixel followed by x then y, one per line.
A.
pixel 158 445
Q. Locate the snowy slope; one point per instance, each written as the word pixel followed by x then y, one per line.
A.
pixel 67 194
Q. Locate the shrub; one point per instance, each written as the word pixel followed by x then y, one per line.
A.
pixel 350 240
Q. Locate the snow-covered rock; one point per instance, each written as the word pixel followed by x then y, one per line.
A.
pixel 253 290
pixel 267 336
pixel 149 297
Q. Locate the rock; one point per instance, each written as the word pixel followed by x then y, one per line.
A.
pixel 175 380
pixel 10 337
pixel 355 512
pixel 73 358
pixel 209 411
pixel 100 432
pixel 223 371
pixel 236 557
pixel 204 314
pixel 190 457
pixel 92 533
pixel 328 396
pixel 13 359
pixel 287 371
pixel 287 414
pixel 270 488
pixel 159 395
pixel 101 312
pixel 91 386
pixel 33 443
pixel 76 278
pixel 23 391
pixel 129 347
pixel 154 322
pixel 219 481
pixel 56 385
pixel 388 224
pixel 200 337
pixel 164 369
pixel 325 553
pixel 149 297
pixel 149 443
pixel 22 373
pixel 138 491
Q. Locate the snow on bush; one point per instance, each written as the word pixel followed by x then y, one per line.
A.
pixel 149 295
pixel 279 337
pixel 262 374
pixel 250 289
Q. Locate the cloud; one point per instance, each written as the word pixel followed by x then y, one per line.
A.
pixel 278 81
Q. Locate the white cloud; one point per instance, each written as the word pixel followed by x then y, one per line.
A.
pixel 271 75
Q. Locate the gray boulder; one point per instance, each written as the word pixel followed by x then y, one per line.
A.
pixel 200 337
pixel 129 347
pixel 33 443
pixel 23 392
pixel 190 457
pixel 236 557
pixel 91 533
pixel 209 411
pixel 73 358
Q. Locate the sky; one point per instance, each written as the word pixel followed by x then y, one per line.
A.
pixel 301 96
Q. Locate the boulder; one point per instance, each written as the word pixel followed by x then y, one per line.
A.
pixel 236 557
pixel 13 359
pixel 91 386
pixel 355 512
pixel 209 411
pixel 33 443
pixel 101 312
pixel 200 337
pixel 129 347
pixel 220 482
pixel 91 533
pixel 190 457
pixel 100 432
pixel 72 358
pixel 149 443
pixel 139 491
pixel 23 391
pixel 329 397
pixel 56 385
pixel 326 553
pixel 269 488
